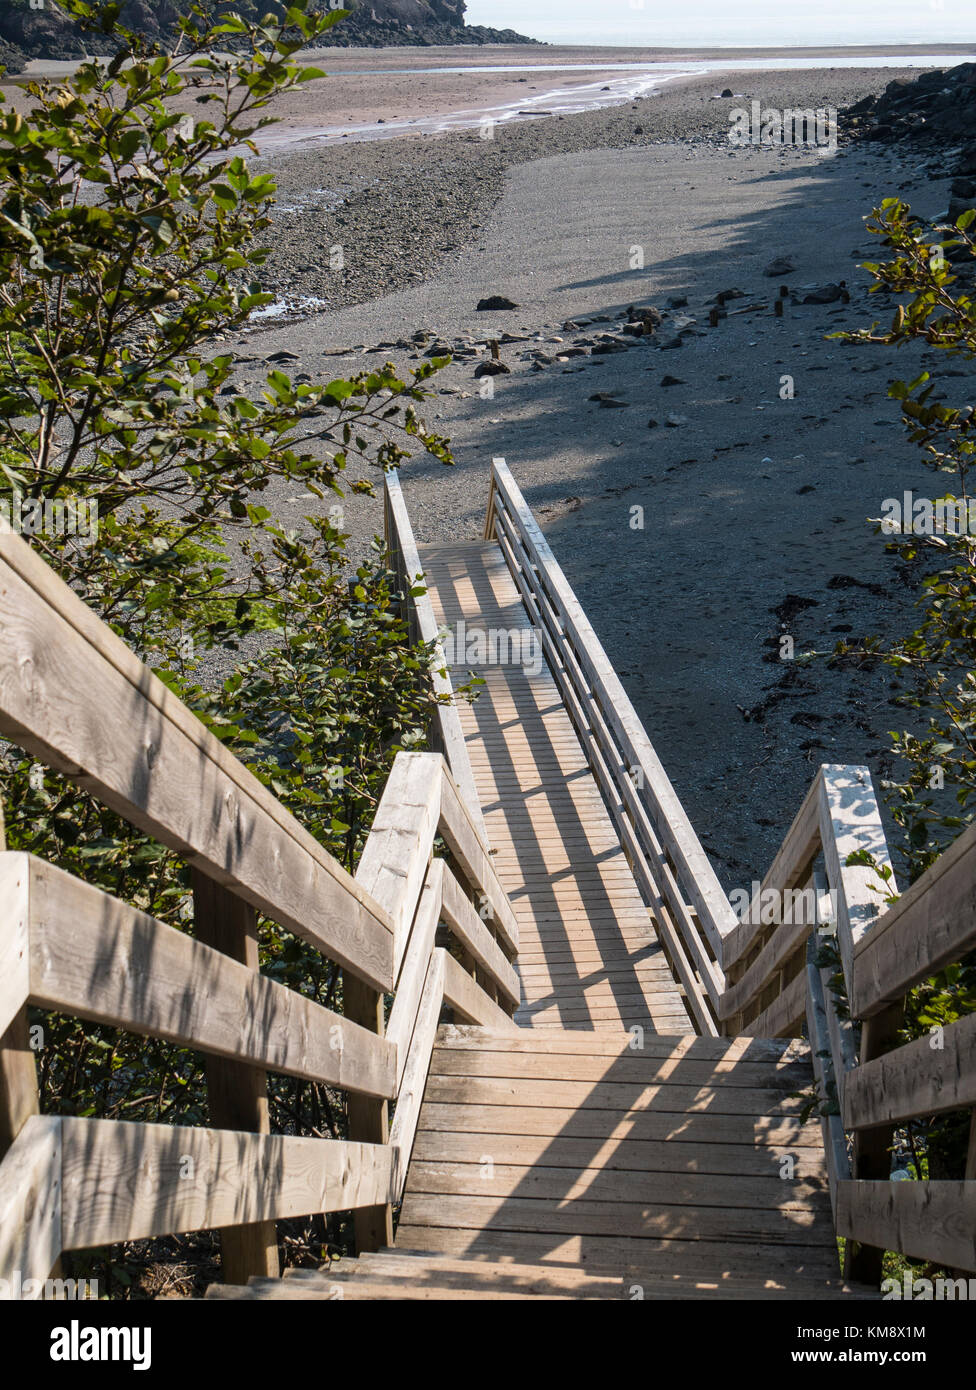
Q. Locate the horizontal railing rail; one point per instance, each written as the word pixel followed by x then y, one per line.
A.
pixel 448 734
pixel 425 919
pixel 74 695
pixel 678 883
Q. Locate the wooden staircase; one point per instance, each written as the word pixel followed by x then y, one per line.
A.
pixel 572 1165
pixel 598 1073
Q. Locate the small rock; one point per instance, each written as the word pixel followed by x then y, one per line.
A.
pixel 495 301
pixel 678 301
pixel 821 294
pixel 675 421
pixel 782 265
pixel 672 381
pixel 491 369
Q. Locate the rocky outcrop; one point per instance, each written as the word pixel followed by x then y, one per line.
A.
pixel 379 22
pixel 936 110
pixel 45 32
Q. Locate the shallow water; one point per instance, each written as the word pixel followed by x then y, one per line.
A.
pixel 643 79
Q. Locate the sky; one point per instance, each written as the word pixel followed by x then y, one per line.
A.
pixel 732 23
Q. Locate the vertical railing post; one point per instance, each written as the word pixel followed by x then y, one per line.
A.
pixel 871 1156
pixel 19 1092
pixel 237 1092
pixel 368 1117
pixel 489 532
pixel 19 1098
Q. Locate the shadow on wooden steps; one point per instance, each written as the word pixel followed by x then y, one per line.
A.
pixel 576 1165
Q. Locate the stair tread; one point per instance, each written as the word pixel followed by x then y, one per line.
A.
pixel 416 1276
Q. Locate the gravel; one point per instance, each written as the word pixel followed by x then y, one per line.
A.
pixel 400 209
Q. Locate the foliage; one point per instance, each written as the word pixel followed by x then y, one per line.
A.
pixel 935 797
pixel 127 254
pixel 937 660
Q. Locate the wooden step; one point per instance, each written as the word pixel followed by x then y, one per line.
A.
pixel 397 1275
pixel 397 1263
pixel 685 1158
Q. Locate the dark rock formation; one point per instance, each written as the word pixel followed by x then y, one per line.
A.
pixel 937 110
pixel 46 33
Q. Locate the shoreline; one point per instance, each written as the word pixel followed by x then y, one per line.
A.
pixel 401 210
pixel 756 506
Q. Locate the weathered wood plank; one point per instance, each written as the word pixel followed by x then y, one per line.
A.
pixel 98 958
pixel 471 851
pixel 931 925
pixel 717 1257
pixel 608 1095
pixel 368 1119
pixel 597 1154
pixel 850 822
pixel 926 1220
pixel 783 1016
pixel 681 1045
pixel 790 866
pixel 483 1116
pixel 237 1093
pixel 130 1181
pixel 928 1076
pixel 145 755
pixel 469 929
pixel 14 934
pixel 414 1081
pixel 448 722
pixel 835 1141
pixel 634 1219
pixel 468 999
pixel 410 985
pixel 18 1069
pixel 627 1067
pixel 398 848
pixel 30 1200
pixel 786 941
pixel 490 1177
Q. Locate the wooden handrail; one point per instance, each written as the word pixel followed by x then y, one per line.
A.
pixel 672 869
pixel 70 1184
pixel 76 696
pixel 450 736
pixel 763 976
pixel 92 956
pixel 931 925
pixel 69 946
pixel 66 945
pixel 884 950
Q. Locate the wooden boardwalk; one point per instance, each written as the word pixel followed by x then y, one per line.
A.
pixel 684 1162
pixel 622 1135
pixel 588 956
